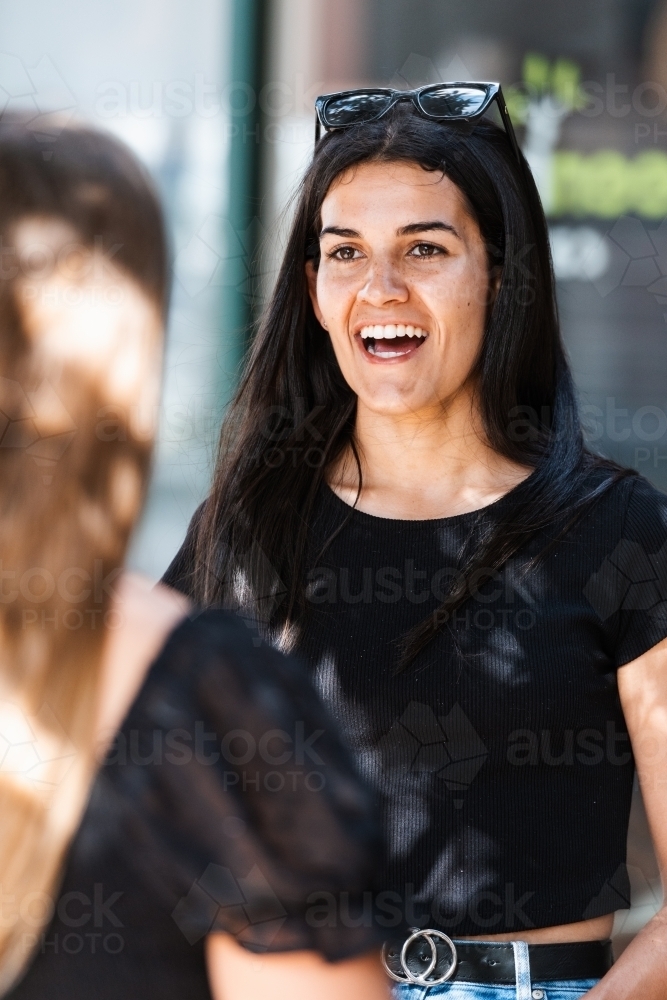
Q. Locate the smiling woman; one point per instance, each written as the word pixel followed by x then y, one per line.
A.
pixel 296 421
pixel 428 286
pixel 403 494
pixel 413 299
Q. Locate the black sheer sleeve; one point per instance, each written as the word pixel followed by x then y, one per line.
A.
pixel 243 808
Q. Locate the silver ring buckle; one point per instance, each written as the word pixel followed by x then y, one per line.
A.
pixel 406 975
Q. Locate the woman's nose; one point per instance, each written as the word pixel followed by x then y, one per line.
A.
pixel 385 284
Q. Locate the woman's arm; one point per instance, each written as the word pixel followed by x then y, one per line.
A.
pixel 237 974
pixel 641 971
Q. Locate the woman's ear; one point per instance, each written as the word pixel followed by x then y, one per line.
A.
pixel 311 278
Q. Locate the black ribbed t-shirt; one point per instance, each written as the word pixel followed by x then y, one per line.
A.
pixel 501 755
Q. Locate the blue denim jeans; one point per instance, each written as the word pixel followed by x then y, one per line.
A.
pixel 570 990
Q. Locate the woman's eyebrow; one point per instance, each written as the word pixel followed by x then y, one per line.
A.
pixel 414 227
pixel 424 227
pixel 337 231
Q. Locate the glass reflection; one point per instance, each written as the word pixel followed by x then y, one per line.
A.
pixel 356 108
pixel 452 102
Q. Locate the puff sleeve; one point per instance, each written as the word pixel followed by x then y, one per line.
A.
pixel 244 809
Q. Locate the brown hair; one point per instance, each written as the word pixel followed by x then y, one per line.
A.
pixel 73 468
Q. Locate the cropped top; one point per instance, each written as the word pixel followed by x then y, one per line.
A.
pixel 225 802
pixel 501 755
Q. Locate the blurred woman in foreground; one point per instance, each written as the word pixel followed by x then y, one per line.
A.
pixel 167 785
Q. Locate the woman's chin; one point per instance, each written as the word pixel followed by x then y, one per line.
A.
pixel 397 405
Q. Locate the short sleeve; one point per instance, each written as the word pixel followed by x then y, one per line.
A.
pixel 629 589
pixel 244 810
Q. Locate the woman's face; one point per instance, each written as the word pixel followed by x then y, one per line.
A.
pixel 402 287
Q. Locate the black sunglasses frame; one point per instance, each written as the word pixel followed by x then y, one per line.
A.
pixel 493 93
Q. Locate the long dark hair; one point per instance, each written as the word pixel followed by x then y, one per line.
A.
pixel 294 415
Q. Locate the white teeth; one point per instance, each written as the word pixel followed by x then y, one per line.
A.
pixel 392 330
pixel 386 354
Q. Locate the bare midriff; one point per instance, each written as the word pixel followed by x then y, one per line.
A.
pixel 596 929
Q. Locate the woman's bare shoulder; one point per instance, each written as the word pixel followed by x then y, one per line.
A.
pixel 153 604
pixel 143 616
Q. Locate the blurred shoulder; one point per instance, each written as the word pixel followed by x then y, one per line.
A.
pixel 139 620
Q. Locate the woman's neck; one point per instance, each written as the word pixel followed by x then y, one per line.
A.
pixel 424 465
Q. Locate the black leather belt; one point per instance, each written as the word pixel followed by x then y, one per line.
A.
pixel 429 957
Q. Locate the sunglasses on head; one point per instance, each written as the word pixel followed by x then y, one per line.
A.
pixel 439 102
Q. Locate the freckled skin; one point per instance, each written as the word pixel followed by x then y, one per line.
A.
pixel 435 280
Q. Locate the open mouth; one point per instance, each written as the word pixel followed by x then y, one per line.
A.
pixel 393 340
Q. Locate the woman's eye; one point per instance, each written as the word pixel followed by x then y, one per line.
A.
pixel 345 253
pixel 426 250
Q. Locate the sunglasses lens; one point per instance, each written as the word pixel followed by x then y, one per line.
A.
pixel 452 102
pixel 354 108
